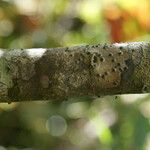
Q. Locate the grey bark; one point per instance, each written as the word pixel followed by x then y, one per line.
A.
pixel 62 73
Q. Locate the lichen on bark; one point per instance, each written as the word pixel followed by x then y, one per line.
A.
pixel 63 73
pixel 142 70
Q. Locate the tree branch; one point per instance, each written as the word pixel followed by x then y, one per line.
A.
pixel 61 73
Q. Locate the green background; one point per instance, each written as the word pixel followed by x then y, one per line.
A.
pixel 107 123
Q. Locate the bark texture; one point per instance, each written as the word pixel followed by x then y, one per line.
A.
pixel 62 73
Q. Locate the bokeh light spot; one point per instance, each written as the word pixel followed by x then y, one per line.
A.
pixel 56 125
pixel 6 27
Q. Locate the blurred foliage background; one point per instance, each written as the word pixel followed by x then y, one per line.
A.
pixel 108 123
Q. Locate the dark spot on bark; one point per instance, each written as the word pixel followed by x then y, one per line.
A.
pixel 114 69
pixel 81 59
pixel 9 102
pixel 125 68
pixel 129 62
pixel 118 64
pixel 121 47
pixel 103 76
pixel 102 59
pixel 87 46
pixel 98 75
pixel 95 59
pixel 144 89
pixel 115 83
pixel 71 55
pixel 7 69
pixel 132 50
pixel 100 55
pixel 106 73
pixel 105 46
pixel 120 69
pixel 110 54
pixel 116 97
pixel 120 53
pixel 67 49
pixel 113 60
pixel 88 53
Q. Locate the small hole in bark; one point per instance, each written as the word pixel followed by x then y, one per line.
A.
pixel 71 55
pixel 7 69
pixel 110 54
pixel 116 97
pixel 113 60
pixel 98 75
pixel 88 53
pixel 120 69
pixel 9 102
pixel 81 58
pixel 114 69
pixel 100 55
pixel 144 89
pixel 120 53
pixel 95 59
pixel 118 64
pixel 120 47
pixel 103 76
pixel 115 83
pixel 105 46
pixel 106 73
pixel 67 49
pixel 102 59
pixel 125 68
